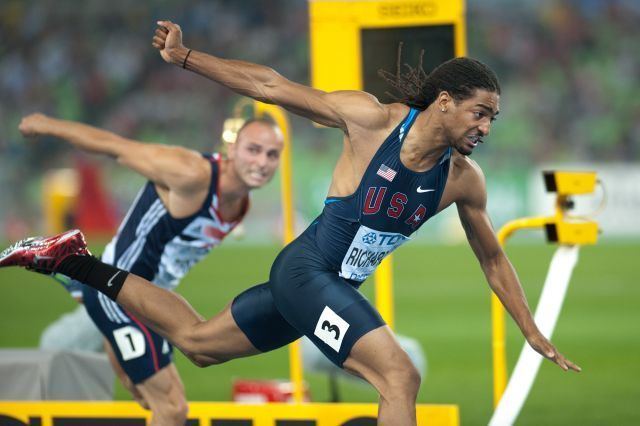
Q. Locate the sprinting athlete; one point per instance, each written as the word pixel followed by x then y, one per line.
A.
pixel 188 206
pixel 401 164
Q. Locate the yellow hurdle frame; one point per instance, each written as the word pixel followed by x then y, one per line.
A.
pixel 288 218
pixel 566 230
pixel 498 325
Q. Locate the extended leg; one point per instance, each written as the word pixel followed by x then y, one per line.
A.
pixel 204 342
pixel 122 376
pixel 378 358
pixel 165 394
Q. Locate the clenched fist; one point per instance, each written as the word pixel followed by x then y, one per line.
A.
pixel 34 124
pixel 168 40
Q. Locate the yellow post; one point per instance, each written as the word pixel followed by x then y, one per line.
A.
pixel 498 335
pixel 60 189
pixel 286 189
pixel 384 290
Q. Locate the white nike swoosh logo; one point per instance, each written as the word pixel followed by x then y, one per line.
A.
pixel 420 190
pixel 110 282
pixel 37 258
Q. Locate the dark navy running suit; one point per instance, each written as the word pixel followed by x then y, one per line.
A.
pixel 313 284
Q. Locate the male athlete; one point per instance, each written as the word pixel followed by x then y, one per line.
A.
pixel 191 202
pixel 401 164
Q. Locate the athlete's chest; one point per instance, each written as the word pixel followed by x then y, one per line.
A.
pixel 394 198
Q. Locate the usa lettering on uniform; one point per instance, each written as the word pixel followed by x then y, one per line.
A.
pixel 373 203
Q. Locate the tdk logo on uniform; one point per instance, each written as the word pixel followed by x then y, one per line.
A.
pixel 377 248
pixel 368 248
pixel 369 238
pixel 384 239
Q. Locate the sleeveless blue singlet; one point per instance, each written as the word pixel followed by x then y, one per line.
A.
pixel 355 233
pixel 312 287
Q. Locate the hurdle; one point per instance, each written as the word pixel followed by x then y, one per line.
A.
pixel 570 233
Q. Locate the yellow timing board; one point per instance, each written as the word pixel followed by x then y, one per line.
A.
pixel 570 183
pixel 212 414
pixel 351 40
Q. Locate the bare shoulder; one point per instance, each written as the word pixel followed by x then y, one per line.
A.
pixel 466 166
pixel 196 164
pixel 360 109
pixel 187 169
pixel 468 180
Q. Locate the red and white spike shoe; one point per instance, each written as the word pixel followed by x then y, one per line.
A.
pixel 44 254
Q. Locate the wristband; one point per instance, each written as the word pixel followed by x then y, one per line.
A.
pixel 184 63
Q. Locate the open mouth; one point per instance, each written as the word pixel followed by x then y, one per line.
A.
pixel 258 176
pixel 474 140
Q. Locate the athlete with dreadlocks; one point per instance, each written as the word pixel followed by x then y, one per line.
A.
pixel 401 164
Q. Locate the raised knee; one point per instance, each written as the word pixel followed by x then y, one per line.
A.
pixel 179 410
pixel 403 381
pixel 174 409
pixel 414 379
pixel 410 377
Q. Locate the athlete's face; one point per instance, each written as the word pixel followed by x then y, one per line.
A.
pixel 468 121
pixel 256 153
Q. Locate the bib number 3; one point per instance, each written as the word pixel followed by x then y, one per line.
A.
pixel 331 328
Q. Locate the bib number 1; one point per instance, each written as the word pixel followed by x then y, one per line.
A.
pixel 130 342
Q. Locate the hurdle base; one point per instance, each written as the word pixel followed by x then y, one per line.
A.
pixel 70 413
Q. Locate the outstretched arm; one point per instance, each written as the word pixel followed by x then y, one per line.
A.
pixel 168 166
pixel 500 273
pixel 337 109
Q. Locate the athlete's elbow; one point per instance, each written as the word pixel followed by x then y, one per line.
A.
pixel 264 99
pixel 490 266
pixel 269 86
pixel 201 361
pixel 196 348
pixel 493 262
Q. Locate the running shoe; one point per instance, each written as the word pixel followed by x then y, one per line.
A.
pixel 43 254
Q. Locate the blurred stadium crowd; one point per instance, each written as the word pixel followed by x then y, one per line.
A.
pixel 569 73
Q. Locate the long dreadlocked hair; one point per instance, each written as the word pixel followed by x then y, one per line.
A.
pixel 459 77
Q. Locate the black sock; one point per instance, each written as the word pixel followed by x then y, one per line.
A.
pixel 88 270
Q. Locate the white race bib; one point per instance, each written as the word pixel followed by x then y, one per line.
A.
pixel 130 342
pixel 367 250
pixel 331 328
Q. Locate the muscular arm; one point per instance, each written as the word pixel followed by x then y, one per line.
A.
pixel 168 166
pixel 337 109
pixel 497 268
